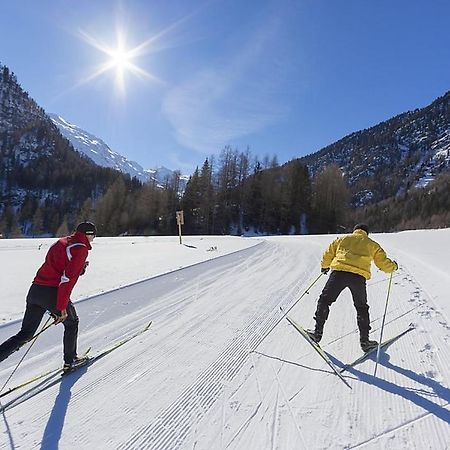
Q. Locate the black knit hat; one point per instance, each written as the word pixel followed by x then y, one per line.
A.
pixel 87 228
pixel 361 226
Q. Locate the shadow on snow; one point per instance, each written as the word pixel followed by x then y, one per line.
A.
pixel 55 423
pixel 409 394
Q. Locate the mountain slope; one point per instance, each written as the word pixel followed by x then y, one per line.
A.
pixel 388 159
pixel 101 154
pixel 42 178
pixel 97 150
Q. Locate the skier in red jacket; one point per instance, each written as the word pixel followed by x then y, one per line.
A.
pixel 50 291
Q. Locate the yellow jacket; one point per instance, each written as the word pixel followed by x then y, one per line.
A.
pixel 355 253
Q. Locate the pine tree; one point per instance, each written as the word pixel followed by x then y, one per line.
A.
pixel 63 229
pixel 330 199
pixel 109 208
pixel 190 203
pixel 38 222
pixel 227 195
pixel 10 224
pixel 86 212
pixel 299 192
pixel 206 198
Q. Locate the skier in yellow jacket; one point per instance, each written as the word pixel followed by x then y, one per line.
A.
pixel 349 258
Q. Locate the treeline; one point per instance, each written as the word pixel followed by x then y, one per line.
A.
pixel 418 208
pixel 233 193
pixel 240 194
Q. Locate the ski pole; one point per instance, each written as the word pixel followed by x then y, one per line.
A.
pixel 382 324
pixel 45 327
pixel 304 293
pixel 32 340
pixel 286 313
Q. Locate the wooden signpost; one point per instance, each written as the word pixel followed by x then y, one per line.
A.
pixel 180 221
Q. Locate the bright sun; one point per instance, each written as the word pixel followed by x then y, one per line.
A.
pixel 120 60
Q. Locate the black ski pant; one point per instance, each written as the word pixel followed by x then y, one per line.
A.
pixel 39 300
pixel 336 283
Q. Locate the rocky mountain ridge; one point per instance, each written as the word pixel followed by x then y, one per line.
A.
pixel 101 154
pixel 394 156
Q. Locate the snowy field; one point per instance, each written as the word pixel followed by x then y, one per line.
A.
pixel 218 369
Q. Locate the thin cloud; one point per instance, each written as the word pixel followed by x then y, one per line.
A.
pixel 236 98
pixel 181 163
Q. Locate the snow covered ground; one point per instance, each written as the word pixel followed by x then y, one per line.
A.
pixel 218 369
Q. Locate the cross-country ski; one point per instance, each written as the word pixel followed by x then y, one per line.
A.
pixel 384 345
pixel 48 376
pixel 35 378
pixel 318 349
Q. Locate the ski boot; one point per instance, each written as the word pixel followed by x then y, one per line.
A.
pixel 314 335
pixel 75 364
pixel 368 345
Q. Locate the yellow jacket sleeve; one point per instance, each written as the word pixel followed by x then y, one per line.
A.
pixel 383 262
pixel 329 254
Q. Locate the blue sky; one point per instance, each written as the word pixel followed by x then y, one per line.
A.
pixel 283 77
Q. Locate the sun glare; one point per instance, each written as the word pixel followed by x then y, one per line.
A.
pixel 120 60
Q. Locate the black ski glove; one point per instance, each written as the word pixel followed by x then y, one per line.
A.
pixel 59 316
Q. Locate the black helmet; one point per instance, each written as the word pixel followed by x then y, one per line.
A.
pixel 87 228
pixel 361 226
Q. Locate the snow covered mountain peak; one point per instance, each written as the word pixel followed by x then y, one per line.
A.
pixel 99 152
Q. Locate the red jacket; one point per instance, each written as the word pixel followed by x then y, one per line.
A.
pixel 63 265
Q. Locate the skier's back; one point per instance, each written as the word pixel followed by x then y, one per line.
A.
pixel 350 257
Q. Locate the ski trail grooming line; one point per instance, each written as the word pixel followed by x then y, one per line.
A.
pixel 162 432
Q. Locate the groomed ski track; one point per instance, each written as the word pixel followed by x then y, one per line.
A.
pixel 208 376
